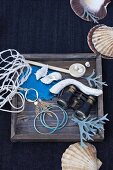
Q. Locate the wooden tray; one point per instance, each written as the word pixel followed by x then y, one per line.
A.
pixel 22 124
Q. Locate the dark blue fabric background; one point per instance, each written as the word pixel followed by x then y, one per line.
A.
pixel 48 26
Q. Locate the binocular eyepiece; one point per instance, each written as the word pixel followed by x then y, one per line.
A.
pixel 66 96
pixel 72 98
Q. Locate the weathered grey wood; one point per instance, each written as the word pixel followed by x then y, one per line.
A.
pixel 100 98
pixel 13 119
pixel 22 124
pixel 59 56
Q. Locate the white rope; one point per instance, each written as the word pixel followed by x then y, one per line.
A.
pixel 14 71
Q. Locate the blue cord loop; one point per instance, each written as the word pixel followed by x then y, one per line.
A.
pixel 59 123
pixel 53 129
pixel 45 110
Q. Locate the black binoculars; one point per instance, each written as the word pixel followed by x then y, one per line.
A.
pixel 73 98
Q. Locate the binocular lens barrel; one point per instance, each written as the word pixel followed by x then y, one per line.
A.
pixel 76 100
pixel 85 109
pixel 65 98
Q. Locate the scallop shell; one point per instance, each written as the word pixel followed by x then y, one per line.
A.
pixel 41 72
pixel 100 40
pixel 51 77
pixel 90 10
pixel 79 158
pixel 89 38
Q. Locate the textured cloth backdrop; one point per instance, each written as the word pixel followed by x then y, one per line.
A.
pixel 48 26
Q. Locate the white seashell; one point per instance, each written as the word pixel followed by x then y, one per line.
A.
pixel 87 64
pixel 51 77
pixel 77 70
pixel 89 38
pixel 90 10
pixel 78 158
pixel 92 5
pixel 85 89
pixel 100 40
pixel 41 72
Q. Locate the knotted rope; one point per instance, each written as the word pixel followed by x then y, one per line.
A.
pixel 14 71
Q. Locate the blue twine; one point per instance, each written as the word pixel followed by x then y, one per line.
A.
pixel 59 125
pixel 63 122
pixel 53 129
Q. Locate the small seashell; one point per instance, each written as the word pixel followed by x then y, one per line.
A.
pixel 41 72
pixel 78 158
pixel 87 64
pixel 51 77
pixel 100 40
pixel 90 10
pixel 77 70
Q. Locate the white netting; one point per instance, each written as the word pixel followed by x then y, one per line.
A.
pixel 14 71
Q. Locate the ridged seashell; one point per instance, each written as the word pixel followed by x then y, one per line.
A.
pixel 89 38
pixel 90 10
pixel 51 77
pixel 41 72
pixel 78 158
pixel 100 40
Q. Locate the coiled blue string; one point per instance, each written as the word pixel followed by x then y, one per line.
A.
pixel 53 129
pixel 43 112
pixel 63 122
pixel 59 124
